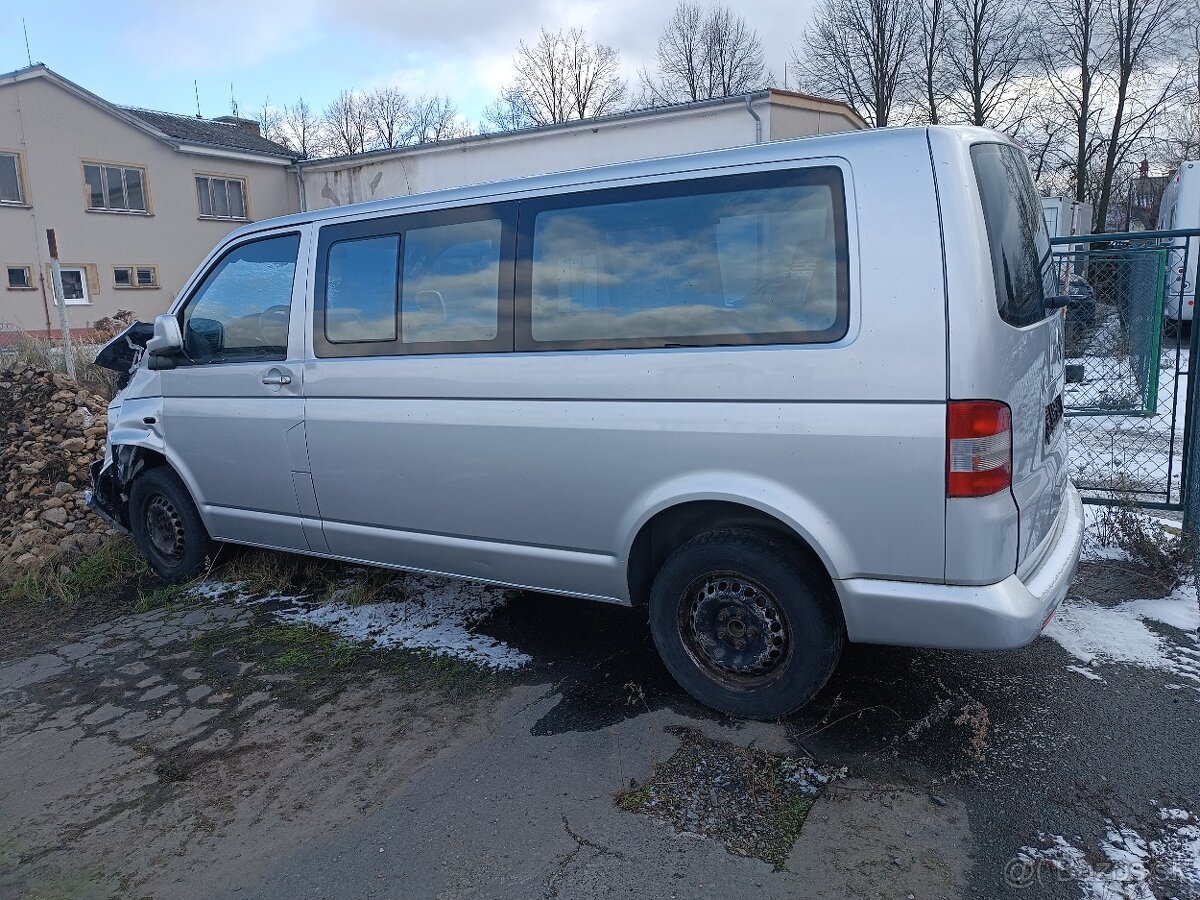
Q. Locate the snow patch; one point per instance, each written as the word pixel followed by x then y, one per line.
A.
pixel 1128 865
pixel 1094 633
pixel 418 612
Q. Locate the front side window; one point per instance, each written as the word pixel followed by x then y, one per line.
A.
pixel 221 198
pixel 115 188
pixel 242 309
pixel 750 259
pixel 10 179
pixel 1016 232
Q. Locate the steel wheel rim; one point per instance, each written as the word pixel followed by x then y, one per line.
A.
pixel 735 629
pixel 164 528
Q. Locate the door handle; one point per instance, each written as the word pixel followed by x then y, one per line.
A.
pixel 277 380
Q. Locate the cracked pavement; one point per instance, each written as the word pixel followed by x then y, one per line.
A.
pixel 147 756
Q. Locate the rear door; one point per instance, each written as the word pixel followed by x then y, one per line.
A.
pixel 1025 361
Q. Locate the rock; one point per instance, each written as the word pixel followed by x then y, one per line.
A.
pixel 63 488
pixel 55 516
pixel 73 445
pixel 52 503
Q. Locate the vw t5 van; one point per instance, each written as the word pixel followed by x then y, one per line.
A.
pixel 785 396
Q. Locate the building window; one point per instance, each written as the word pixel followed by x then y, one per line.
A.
pixel 10 179
pixel 75 286
pixel 221 198
pixel 20 278
pixel 135 277
pixel 115 188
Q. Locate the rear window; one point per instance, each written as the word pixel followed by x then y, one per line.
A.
pixel 1016 230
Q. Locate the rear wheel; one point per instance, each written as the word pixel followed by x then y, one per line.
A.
pixel 166 526
pixel 744 624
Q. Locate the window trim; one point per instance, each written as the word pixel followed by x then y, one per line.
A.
pixel 106 164
pixel 505 211
pixel 825 172
pixel 133 284
pixel 246 217
pixel 83 280
pixel 22 182
pixel 197 283
pixel 28 286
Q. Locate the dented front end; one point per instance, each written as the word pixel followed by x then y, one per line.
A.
pixel 134 432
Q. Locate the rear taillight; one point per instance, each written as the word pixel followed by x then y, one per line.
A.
pixel 978 448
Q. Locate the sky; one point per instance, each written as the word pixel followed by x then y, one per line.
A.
pixel 149 54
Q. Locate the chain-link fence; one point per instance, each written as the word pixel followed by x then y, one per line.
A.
pixel 1127 365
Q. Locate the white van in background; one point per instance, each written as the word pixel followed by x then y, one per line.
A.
pixel 1066 217
pixel 1180 209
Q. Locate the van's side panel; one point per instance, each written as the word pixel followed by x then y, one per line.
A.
pixel 537 468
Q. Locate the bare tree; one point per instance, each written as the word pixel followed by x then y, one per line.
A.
pixel 389 115
pixel 860 51
pixel 1143 33
pixel 301 130
pixel 1072 50
pixel 347 124
pixel 1184 133
pixel 988 53
pixel 704 54
pixel 433 118
pixel 270 122
pixel 931 42
pixel 562 76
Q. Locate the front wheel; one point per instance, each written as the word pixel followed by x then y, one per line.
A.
pixel 167 528
pixel 744 624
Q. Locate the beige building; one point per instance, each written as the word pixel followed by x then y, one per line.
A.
pixel 136 198
pixel 766 115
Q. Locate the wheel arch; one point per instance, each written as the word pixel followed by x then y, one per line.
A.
pixel 674 520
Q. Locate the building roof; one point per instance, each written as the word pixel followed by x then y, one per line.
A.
pixel 190 134
pixel 788 98
pixel 196 130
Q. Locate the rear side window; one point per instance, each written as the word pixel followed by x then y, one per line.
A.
pixel 748 259
pixel 360 290
pixel 450 283
pixel 1016 230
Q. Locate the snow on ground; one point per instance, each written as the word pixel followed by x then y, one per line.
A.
pixel 416 612
pixel 1096 634
pixel 1128 865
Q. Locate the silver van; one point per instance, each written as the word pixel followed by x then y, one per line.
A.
pixel 785 395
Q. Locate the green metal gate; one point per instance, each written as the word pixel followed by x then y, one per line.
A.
pixel 1128 373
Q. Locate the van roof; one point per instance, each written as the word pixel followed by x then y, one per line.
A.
pixel 513 188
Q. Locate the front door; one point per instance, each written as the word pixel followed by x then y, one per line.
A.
pixel 233 411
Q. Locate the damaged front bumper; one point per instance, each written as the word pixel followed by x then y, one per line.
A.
pixel 105 498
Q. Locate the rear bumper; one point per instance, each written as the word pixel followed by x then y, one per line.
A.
pixel 998 616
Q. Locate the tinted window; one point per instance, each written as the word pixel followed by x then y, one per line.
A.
pixel 242 309
pixel 451 283
pixel 1016 230
pixel 10 181
pixel 740 260
pixel 360 289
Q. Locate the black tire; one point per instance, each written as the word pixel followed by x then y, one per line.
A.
pixel 751 588
pixel 166 526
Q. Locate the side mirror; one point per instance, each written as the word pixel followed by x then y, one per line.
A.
pixel 166 344
pixel 168 338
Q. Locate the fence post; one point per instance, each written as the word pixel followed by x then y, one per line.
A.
pixel 61 302
pixel 1191 483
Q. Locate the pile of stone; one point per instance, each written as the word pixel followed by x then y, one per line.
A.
pixel 51 429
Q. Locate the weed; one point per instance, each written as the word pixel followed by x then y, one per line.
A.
pixel 1156 550
pixel 67 580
